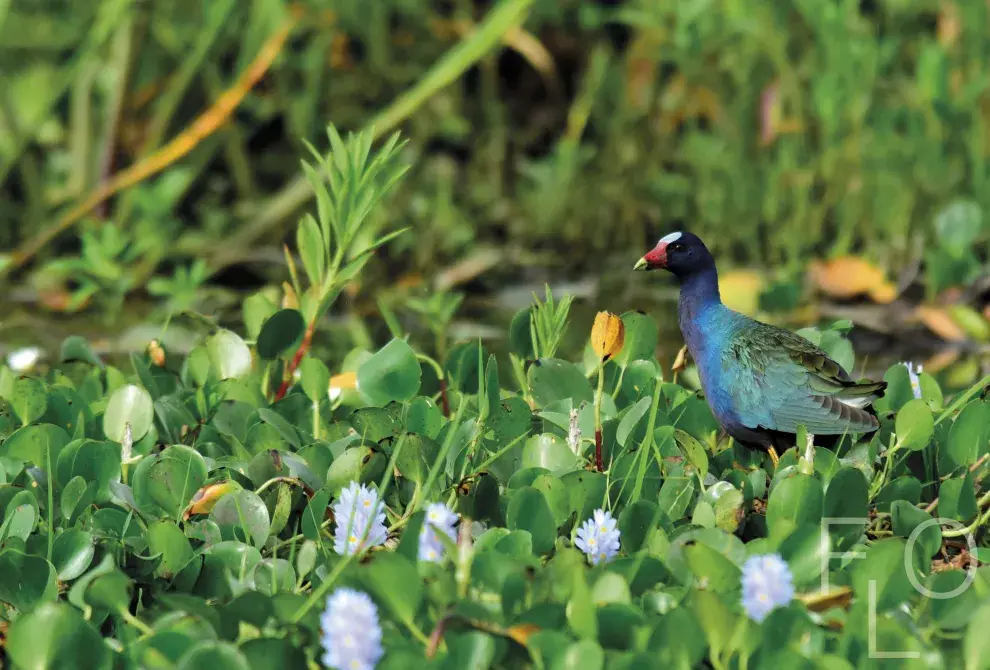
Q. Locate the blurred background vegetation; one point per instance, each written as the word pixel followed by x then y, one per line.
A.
pixel 150 151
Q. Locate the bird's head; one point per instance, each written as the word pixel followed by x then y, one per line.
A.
pixel 683 254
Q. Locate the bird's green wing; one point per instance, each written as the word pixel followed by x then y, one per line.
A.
pixel 782 380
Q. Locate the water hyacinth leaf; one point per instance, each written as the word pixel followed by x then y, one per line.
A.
pixel 551 379
pixel 165 538
pixel 550 452
pixel 392 373
pixel 976 642
pixel 72 553
pixel 361 463
pixel 901 488
pixel 213 655
pixel 957 498
pixel 164 484
pixel 915 425
pixel 905 518
pixel 281 332
pixel 272 576
pixel 794 501
pixel 416 457
pixel 243 510
pixel 640 339
pixel 968 437
pixel 39 444
pixel 29 400
pixel 529 510
pixel 55 635
pixel 314 515
pixel 26 581
pixel 229 355
pixel 846 507
pixel 315 378
pixel 394 582
pixel 424 417
pixel 129 404
pixel 272 652
pixel 76 348
pixel 883 565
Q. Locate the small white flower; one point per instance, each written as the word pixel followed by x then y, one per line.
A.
pixel 914 375
pixel 23 359
pixel 352 635
pixel 360 517
pixel 767 584
pixel 439 519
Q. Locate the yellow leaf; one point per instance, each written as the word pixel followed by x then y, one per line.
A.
pixel 938 320
pixel 741 290
pixel 345 381
pixel 521 632
pixel 607 335
pixel 850 276
pixel 207 497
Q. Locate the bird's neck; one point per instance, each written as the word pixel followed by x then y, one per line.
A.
pixel 698 301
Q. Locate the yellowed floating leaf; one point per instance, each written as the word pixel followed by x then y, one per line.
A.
pixel 938 320
pixel 850 276
pixel 741 290
pixel 521 632
pixel 821 601
pixel 207 497
pixel 345 381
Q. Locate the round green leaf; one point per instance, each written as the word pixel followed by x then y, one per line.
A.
pixel 72 553
pixel 552 379
pixel 26 581
pixel 163 484
pixel 215 656
pixel 29 400
pixel 914 425
pixel 229 355
pixel 883 565
pixel 551 452
pixel 640 340
pixel 132 405
pixel 905 517
pixel 244 510
pixel 272 576
pixel 968 437
pixel 56 636
pixel 392 373
pixel 315 378
pixel 165 538
pixel 794 501
pixel 529 510
pixel 846 499
pixel 282 331
pixel 958 224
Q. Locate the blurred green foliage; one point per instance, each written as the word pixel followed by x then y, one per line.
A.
pixel 778 130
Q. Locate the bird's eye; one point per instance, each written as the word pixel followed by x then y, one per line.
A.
pixel 675 247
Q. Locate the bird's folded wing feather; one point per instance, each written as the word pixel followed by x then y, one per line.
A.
pixel 782 381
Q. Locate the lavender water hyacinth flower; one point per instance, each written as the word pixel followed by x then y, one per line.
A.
pixel 360 517
pixel 914 376
pixel 352 636
pixel 439 519
pixel 767 584
pixel 598 537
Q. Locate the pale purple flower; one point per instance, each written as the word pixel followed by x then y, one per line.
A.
pixel 766 585
pixel 914 375
pixel 439 519
pixel 598 537
pixel 360 517
pixel 352 636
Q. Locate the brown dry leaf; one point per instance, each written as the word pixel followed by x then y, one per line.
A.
pixel 822 601
pixel 850 276
pixel 941 360
pixel 289 298
pixel 465 270
pixel 938 320
pixel 741 290
pixel 207 497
